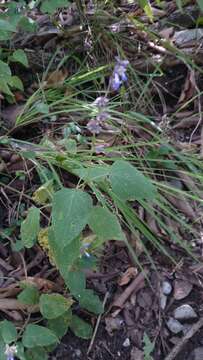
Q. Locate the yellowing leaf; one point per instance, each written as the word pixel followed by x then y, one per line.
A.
pixel 43 193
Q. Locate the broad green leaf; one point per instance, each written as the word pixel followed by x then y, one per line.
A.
pixel 2 349
pixel 5 71
pixel 80 328
pixel 200 3
pixel 37 336
pixel 50 6
pixel 75 281
pixel 105 224
pixel 42 108
pixel 64 257
pixel 30 227
pixel 95 173
pixel 70 214
pixel 4 87
pixel 61 324
pixel 27 24
pixel 5 35
pixel 29 296
pixel 54 305
pixel 6 26
pixel 128 183
pixel 20 56
pixel 90 301
pixel 8 331
pixel 16 83
pixel 38 353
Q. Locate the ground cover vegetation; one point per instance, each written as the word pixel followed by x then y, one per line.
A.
pixel 101 145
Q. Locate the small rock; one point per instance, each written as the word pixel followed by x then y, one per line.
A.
pixel 174 325
pixel 196 354
pixel 113 324
pixel 166 288
pixel 184 312
pixel 136 354
pixel 78 352
pixel 126 342
pixel 181 289
pixel 163 300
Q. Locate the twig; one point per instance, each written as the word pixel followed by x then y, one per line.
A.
pixel 135 285
pixel 185 338
pixel 97 325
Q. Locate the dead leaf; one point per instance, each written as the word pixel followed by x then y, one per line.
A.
pixel 10 115
pixel 56 78
pixel 182 289
pixel 189 88
pixel 129 274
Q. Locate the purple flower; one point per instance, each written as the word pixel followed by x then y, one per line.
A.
pixel 119 74
pixel 94 127
pixel 100 148
pixel 101 101
pixel 102 116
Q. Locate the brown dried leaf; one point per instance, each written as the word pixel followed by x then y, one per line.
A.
pixel 56 78
pixel 189 88
pixel 129 274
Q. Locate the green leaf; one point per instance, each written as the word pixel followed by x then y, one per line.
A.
pixel 5 35
pixel 64 257
pixel 27 24
pixel 20 56
pixel 29 296
pixel 36 335
pixel 44 193
pixel 4 87
pixel 61 324
pixel 70 214
pixel 5 71
pixel 90 301
pixel 54 305
pixel 30 227
pixel 6 26
pixel 105 224
pixel 42 108
pixel 8 331
pixel 2 349
pixel 36 354
pixel 146 6
pixel 200 3
pixel 128 183
pixel 50 6
pixel 95 173
pixel 16 83
pixel 75 281
pixel 80 328
pixel 148 347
